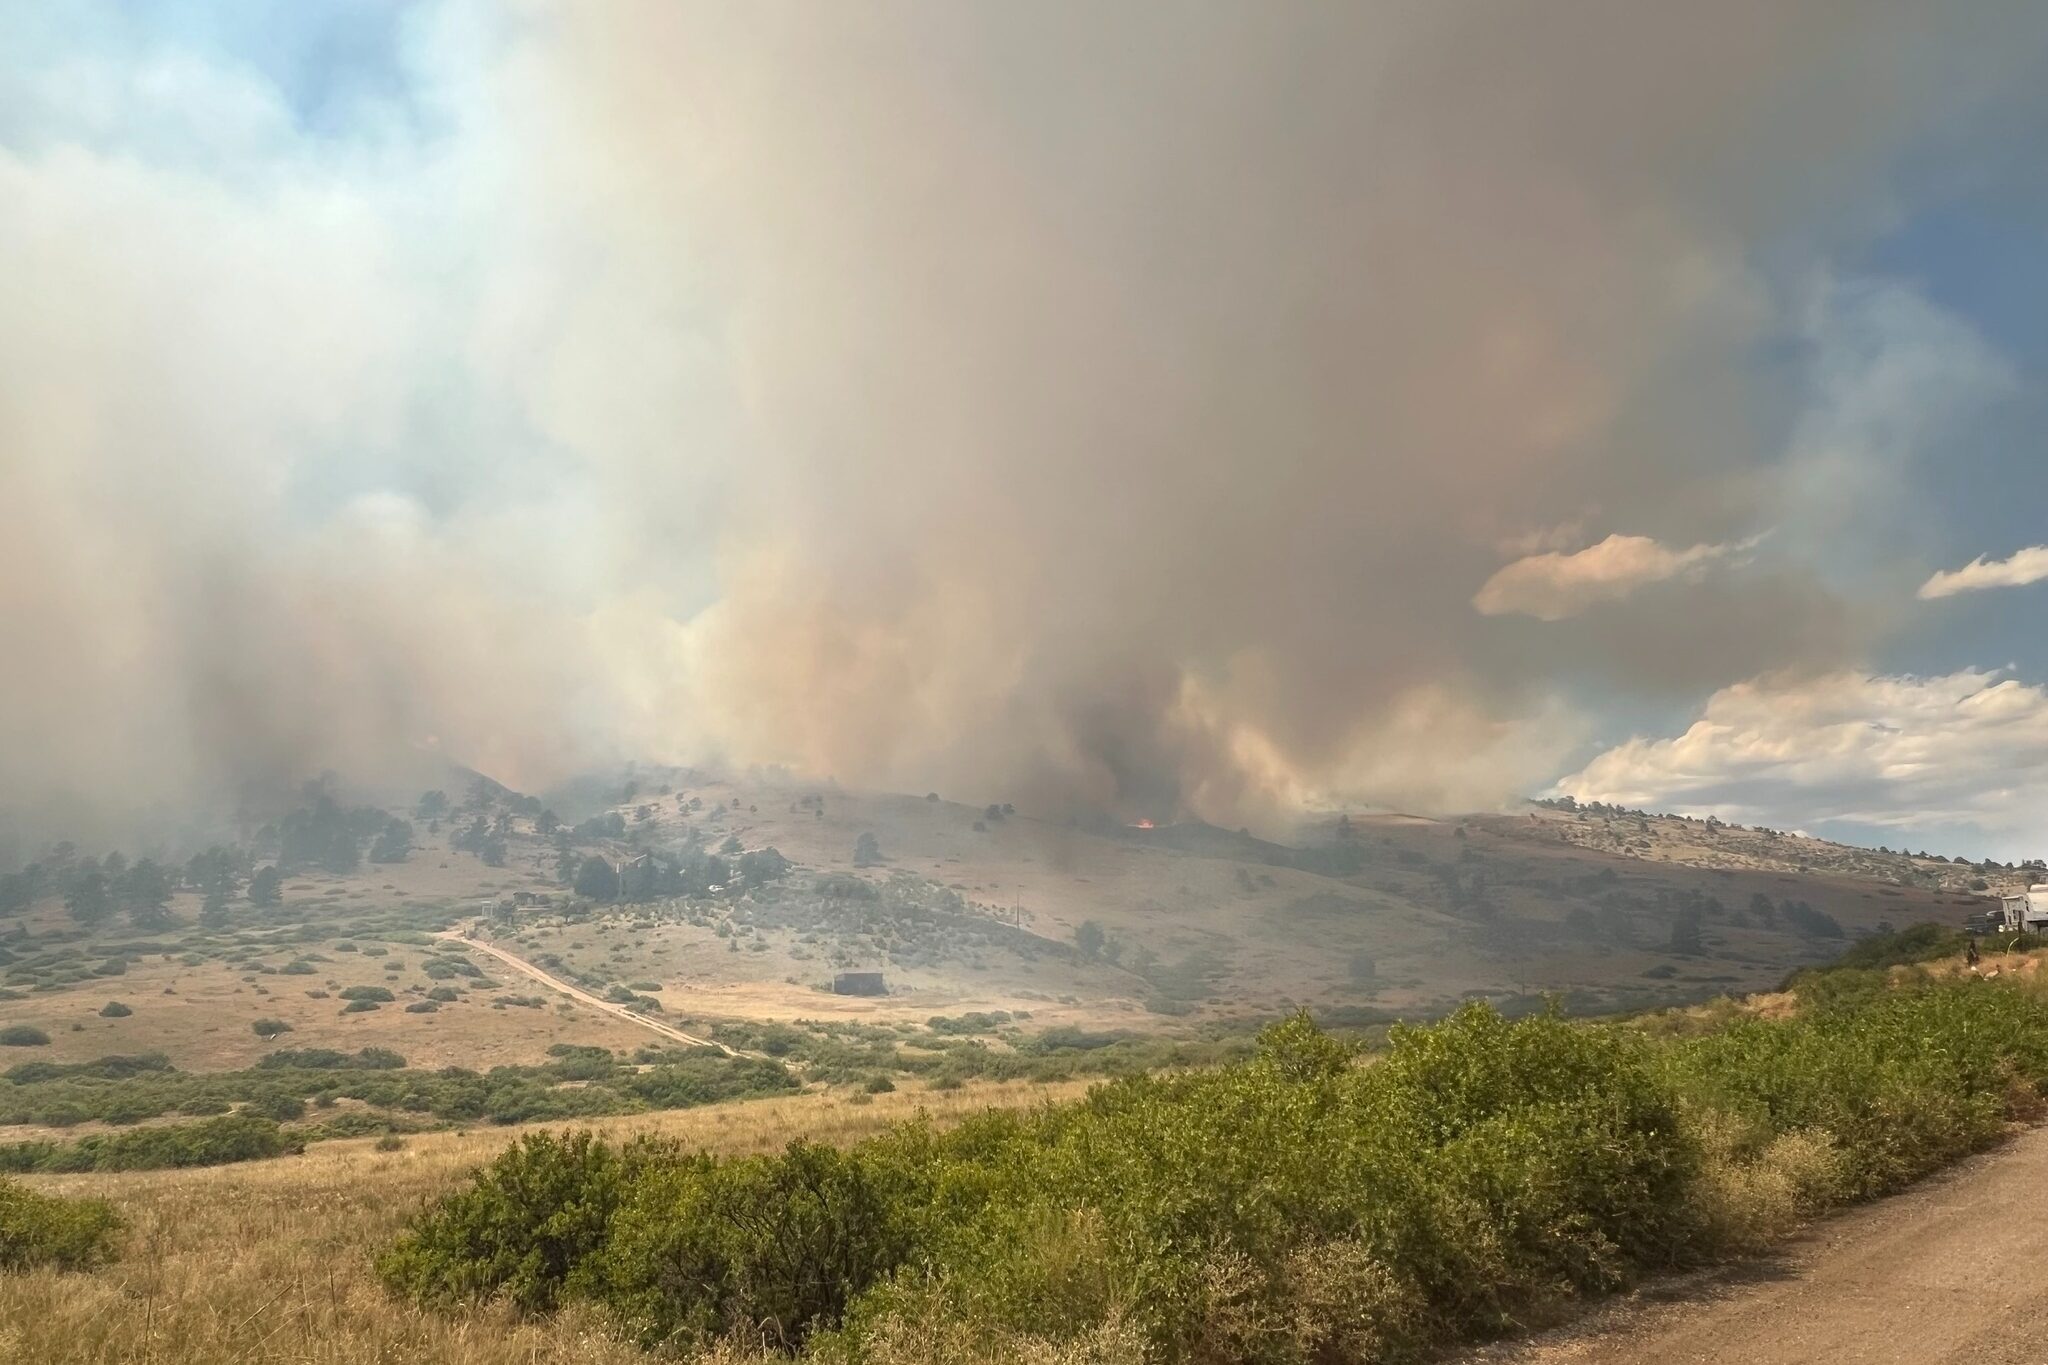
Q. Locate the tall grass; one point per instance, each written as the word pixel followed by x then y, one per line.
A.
pixel 269 1262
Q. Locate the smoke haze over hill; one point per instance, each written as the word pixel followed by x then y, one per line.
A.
pixel 1056 403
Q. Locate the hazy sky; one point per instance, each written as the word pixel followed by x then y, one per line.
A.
pixel 1215 408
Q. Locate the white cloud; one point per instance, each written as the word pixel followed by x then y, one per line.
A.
pixel 1553 585
pixel 1963 751
pixel 2027 566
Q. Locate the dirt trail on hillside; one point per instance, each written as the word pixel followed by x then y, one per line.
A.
pixel 1953 1271
pixel 581 996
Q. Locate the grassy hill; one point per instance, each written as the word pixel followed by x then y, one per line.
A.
pixel 965 909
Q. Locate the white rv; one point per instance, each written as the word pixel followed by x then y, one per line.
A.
pixel 2025 912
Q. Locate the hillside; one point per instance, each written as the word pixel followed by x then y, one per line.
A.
pixel 1689 842
pixel 963 909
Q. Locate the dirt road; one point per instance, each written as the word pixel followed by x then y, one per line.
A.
pixel 1953 1271
pixel 581 996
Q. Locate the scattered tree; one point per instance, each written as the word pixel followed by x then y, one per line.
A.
pixel 394 843
pixel 1089 938
pixel 146 894
pixel 88 899
pixel 1685 933
pixel 763 865
pixel 597 880
pixel 267 886
pixel 344 853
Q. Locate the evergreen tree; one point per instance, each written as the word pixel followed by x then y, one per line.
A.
pixel 88 898
pixel 597 880
pixel 266 887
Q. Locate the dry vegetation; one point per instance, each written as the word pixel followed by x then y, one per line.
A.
pixel 1710 844
pixel 1195 932
pixel 1393 914
pixel 268 1263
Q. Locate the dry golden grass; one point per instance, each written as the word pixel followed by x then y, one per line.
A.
pixel 204 1026
pixel 269 1263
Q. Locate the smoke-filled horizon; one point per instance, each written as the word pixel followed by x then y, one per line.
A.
pixel 1212 413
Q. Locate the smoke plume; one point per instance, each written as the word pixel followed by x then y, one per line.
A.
pixel 1062 403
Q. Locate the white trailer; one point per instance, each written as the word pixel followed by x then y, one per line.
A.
pixel 2025 912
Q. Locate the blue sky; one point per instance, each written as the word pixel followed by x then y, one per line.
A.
pixel 1279 407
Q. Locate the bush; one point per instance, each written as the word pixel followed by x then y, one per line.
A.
pixel 1914 943
pixel 279 1108
pixel 1555 1139
pixel 267 1029
pixel 44 1230
pixel 114 1009
pixel 22 1035
pixel 359 1005
pixel 1290 1208
pixel 526 1221
pixel 777 1245
pixel 214 1142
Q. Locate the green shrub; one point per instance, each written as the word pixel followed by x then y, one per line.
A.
pixel 44 1230
pixel 279 1108
pixel 114 1009
pixel 526 1221
pixel 327 1059
pixel 374 994
pixel 1914 943
pixel 22 1035
pixel 110 1068
pixel 267 1029
pixel 1904 1080
pixel 1289 1208
pixel 778 1245
pixel 214 1142
pixel 360 1005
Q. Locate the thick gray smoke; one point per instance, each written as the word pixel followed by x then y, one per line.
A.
pixel 1104 404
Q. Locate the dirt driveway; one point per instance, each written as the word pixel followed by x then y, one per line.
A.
pixel 1953 1271
pixel 581 996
